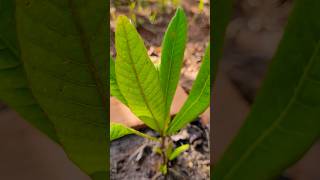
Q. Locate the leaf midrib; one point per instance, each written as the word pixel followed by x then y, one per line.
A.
pixel 88 54
pixel 279 119
pixel 138 80
pixel 170 66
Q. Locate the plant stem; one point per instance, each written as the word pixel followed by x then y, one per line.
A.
pixel 164 155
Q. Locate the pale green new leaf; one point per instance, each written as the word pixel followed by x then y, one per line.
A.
pixel 14 90
pixel 284 121
pixel 64 51
pixel 198 100
pixel 137 78
pixel 173 47
pixel 114 89
pixel 119 130
pixel 178 151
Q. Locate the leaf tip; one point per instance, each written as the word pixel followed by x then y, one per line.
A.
pixel 122 19
pixel 180 12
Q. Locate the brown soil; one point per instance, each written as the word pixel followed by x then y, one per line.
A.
pixel 133 158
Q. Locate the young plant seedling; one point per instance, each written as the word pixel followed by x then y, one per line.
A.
pixel 148 90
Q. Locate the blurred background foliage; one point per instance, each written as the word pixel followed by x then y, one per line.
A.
pixel 149 8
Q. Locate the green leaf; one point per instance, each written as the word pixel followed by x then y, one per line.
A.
pixel 284 121
pixel 137 78
pixel 114 89
pixel 119 130
pixel 173 47
pixel 14 90
pixel 221 15
pixel 198 100
pixel 64 51
pixel 178 151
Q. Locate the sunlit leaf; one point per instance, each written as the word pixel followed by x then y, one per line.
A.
pixel 198 100
pixel 173 47
pixel 137 78
pixel 114 89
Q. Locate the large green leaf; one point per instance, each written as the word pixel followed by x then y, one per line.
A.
pixel 64 51
pixel 14 90
pixel 114 89
pixel 173 47
pixel 284 122
pixel 198 100
pixel 137 78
